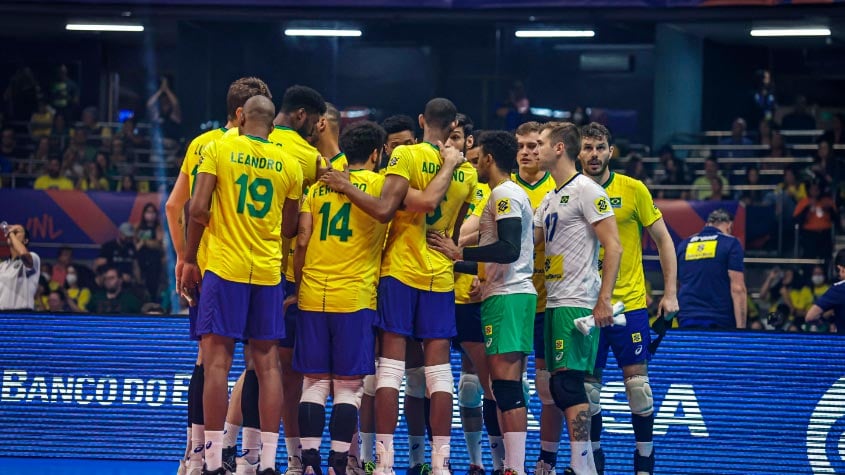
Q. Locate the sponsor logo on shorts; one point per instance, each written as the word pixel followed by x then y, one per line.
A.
pixel 559 345
pixel 503 206
pixel 638 350
pixel 616 202
pixel 564 199
pixel 636 337
pixel 601 205
pixel 488 330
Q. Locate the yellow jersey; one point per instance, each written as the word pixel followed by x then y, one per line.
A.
pixel 340 273
pixel 536 193
pixel 254 177
pixel 407 257
pixel 190 165
pixel 634 209
pixel 463 282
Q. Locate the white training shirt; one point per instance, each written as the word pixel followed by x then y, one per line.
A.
pixel 506 201
pixel 567 215
pixel 19 284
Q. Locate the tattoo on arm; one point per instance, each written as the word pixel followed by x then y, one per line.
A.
pixel 580 426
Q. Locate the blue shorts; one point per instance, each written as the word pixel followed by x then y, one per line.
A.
pixel 407 311
pixel 629 343
pixel 237 310
pixel 539 339
pixel 290 319
pixel 468 323
pixel 335 343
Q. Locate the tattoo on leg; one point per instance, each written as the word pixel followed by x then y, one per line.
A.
pixel 581 426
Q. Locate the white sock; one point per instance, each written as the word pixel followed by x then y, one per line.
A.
pixel 416 450
pixel 595 444
pixel 189 446
pixel 269 445
pixel 474 448
pixel 355 447
pixel 230 434
pixel 293 446
pixel 645 448
pixel 197 446
pixel 547 446
pixel 387 441
pixel 308 443
pixel 251 444
pixel 497 451
pixel 368 443
pixel 515 450
pixel 213 449
pixel 440 452
pixel 340 446
pixel 582 457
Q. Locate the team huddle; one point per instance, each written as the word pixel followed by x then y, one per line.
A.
pixel 347 276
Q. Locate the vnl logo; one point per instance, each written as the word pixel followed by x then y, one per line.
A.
pixel 826 432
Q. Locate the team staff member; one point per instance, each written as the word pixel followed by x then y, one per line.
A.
pixel 256 189
pixel 711 274
pixel 634 210
pixel 18 274
pixel 833 299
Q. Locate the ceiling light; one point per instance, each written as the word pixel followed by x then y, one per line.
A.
pixel 321 32
pixel 102 27
pixel 555 33
pixel 796 31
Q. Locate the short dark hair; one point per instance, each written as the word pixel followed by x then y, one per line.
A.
pixel 440 113
pixel 332 115
pixel 712 158
pixel 398 123
pixel 242 89
pixel 839 260
pixel 720 215
pixel 360 139
pixel 109 267
pixel 529 127
pixel 465 122
pixel 68 248
pixel 502 146
pixel 26 234
pixel 596 131
pixel 566 133
pixel 303 97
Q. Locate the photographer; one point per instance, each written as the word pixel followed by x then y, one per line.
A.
pixel 18 274
pixel 833 299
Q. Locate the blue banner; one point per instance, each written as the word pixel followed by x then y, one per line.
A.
pixel 725 402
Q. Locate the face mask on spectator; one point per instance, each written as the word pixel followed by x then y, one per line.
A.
pixel 818 279
pixel 71 279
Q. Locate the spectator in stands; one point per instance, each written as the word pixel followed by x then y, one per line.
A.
pixel 673 175
pixel 19 273
pixel 516 108
pixel 8 151
pixel 717 192
pixel 127 184
pixel 96 131
pixel 752 197
pixel 702 187
pixel 764 95
pixel 737 138
pixel 64 93
pixel 121 158
pixel 815 214
pixel 53 179
pixel 764 132
pixel 93 180
pixel 76 291
pixel 129 135
pixel 635 168
pixel 165 112
pixel 41 121
pixel 150 247
pixel 80 144
pixel 63 261
pixel 21 96
pixel 109 171
pixel 800 118
pixel 836 134
pixel 822 168
pixel 37 161
pixel 777 148
pixel 832 300
pixel 121 253
pixel 57 302
pixel 112 298
pixel 818 286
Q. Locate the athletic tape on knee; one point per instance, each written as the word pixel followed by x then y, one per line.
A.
pixel 415 384
pixel 438 378
pixel 638 390
pixel 390 373
pixel 370 385
pixel 315 391
pixel 541 383
pixel 508 394
pixel 348 391
pixel 568 389
pixel 470 391
pixel 593 396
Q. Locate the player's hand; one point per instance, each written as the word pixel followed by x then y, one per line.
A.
pixel 475 290
pixel 178 271
pixel 603 313
pixel 338 180
pixel 452 157
pixel 191 282
pixel 323 166
pixel 289 300
pixel 668 307
pixel 443 244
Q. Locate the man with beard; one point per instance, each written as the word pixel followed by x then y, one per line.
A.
pixel 112 299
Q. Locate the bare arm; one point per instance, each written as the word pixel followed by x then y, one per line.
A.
pixel 739 295
pixel 290 218
pixel 608 235
pixel 427 200
pixel 814 313
pixel 305 228
pixel 459 222
pixel 669 264
pixel 174 210
pixel 382 208
pixel 469 232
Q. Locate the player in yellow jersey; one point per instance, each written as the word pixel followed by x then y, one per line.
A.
pixel 336 265
pixel 634 210
pixel 537 184
pixel 256 190
pixel 239 91
pixel 416 290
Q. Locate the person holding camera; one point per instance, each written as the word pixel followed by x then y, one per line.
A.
pixel 19 273
pixel 833 299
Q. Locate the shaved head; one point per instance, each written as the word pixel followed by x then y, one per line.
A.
pixel 259 112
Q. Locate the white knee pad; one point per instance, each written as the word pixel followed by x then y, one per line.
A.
pixel 593 396
pixel 415 385
pixel 638 390
pixel 438 378
pixel 390 373
pixel 348 391
pixel 469 391
pixel 370 385
pixel 541 384
pixel 315 390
